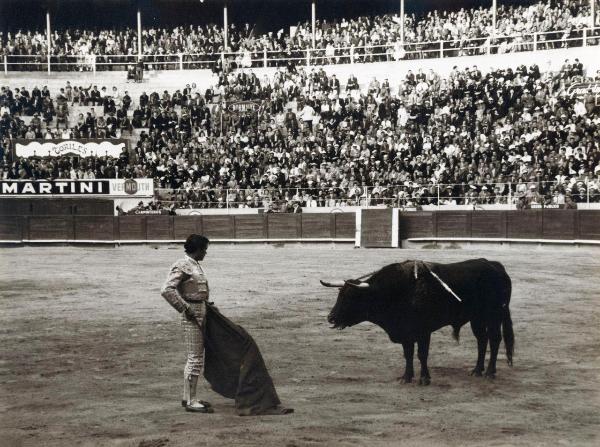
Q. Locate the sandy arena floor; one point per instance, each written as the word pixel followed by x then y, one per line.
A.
pixel 91 354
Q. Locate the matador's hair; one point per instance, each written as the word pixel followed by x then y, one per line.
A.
pixel 195 242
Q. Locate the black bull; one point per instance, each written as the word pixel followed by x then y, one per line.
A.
pixel 409 302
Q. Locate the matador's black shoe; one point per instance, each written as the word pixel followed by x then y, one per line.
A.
pixel 197 407
pixel 203 402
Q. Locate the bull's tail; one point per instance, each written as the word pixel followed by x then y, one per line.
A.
pixel 507 325
pixel 508 335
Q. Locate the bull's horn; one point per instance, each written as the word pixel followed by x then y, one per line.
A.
pixel 360 285
pixel 331 284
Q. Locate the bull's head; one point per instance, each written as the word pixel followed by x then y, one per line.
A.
pixel 352 306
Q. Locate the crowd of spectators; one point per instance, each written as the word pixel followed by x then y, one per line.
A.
pixel 303 136
pixel 466 31
pixel 50 116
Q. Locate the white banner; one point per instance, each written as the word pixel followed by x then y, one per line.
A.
pixel 57 148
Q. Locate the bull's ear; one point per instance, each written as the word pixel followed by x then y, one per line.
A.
pixel 331 284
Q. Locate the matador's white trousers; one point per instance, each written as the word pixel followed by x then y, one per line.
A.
pixel 194 342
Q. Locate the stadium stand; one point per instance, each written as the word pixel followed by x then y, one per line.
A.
pixel 319 142
pixel 505 136
pixel 543 25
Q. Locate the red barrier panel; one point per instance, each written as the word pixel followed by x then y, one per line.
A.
pixel 416 224
pixel 91 207
pixel 318 225
pixel 61 207
pixel 524 224
pixel 251 226
pixel 51 227
pixel 15 207
pixel 12 228
pixel 488 224
pixel 589 224
pixel 454 224
pixel 284 226
pixel 159 227
pixel 132 228
pixel 218 227
pixel 376 228
pixel 93 228
pixel 345 225
pixel 52 207
pixel 559 224
pixel 183 226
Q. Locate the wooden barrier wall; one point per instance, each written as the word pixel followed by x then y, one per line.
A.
pixel 156 228
pixel 527 224
pixel 376 230
pixel 19 206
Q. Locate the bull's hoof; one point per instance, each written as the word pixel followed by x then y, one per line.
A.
pixel 405 378
pixel 490 375
pixel 477 372
pixel 424 381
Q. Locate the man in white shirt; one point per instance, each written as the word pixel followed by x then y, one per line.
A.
pixel 307 115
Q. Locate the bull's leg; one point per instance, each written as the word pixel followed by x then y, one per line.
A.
pixel 480 333
pixel 409 352
pixel 423 353
pixel 495 337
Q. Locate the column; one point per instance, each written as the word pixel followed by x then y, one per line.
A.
pixel 48 37
pixel 225 28
pixel 314 22
pixel 139 32
pixel 402 22
pixel 593 12
pixel 494 10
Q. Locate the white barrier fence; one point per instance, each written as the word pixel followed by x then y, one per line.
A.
pixel 410 195
pixel 395 51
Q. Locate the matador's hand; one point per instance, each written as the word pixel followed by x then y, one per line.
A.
pixel 189 314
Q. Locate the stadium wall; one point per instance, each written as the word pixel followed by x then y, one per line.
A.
pixel 365 228
pixel 335 227
pixel 547 60
pixel 56 206
pixel 393 71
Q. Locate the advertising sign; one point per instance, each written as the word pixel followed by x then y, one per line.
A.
pixel 580 89
pixel 58 148
pixel 243 106
pixel 65 187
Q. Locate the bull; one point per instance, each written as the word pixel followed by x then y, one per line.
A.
pixel 412 299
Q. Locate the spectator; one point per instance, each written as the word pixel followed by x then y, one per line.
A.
pixel 379 145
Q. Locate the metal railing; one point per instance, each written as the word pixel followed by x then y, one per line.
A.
pixel 311 57
pixel 531 194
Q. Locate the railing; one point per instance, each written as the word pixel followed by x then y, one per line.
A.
pixel 311 57
pixel 522 194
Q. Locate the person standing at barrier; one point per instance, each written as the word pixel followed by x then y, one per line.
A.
pixel 186 289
